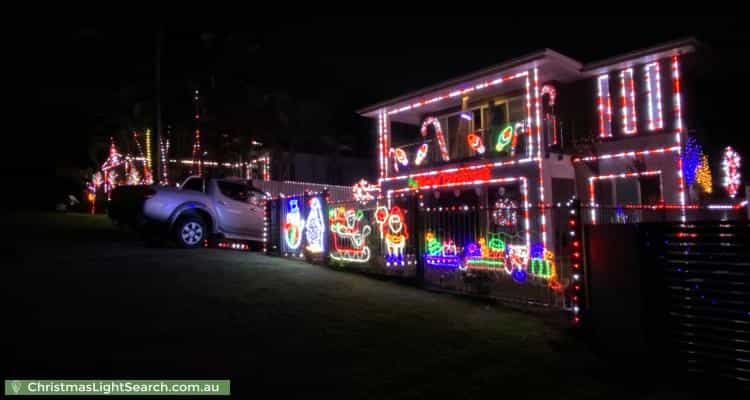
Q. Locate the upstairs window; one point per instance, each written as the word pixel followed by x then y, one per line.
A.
pixel 604 106
pixel 653 96
pixel 627 101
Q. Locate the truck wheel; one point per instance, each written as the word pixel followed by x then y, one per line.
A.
pixel 190 232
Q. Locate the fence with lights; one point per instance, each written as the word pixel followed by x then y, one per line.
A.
pixel 442 245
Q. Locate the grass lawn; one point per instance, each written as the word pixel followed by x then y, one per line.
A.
pixel 87 299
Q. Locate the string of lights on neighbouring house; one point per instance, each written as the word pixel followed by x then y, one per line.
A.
pixel 197 152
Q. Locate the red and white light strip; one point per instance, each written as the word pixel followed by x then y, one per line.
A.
pixel 384 113
pixel 381 144
pixel 538 103
pixel 652 76
pixel 604 106
pixel 676 89
pixel 456 93
pixel 593 179
pixel 530 149
pixel 627 100
pixel 648 152
pixel 577 265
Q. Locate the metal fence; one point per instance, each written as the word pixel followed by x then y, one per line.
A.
pixel 635 214
pixel 531 255
pixel 472 250
pixel 491 253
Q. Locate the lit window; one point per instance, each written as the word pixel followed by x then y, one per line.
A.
pixel 604 106
pixel 653 96
pixel 627 100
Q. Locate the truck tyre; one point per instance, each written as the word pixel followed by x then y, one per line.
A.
pixel 190 232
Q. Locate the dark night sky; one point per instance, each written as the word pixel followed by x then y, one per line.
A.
pixel 93 81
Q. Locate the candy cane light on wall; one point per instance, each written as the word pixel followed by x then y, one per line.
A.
pixel 627 101
pixel 652 76
pixel 604 106
pixel 676 89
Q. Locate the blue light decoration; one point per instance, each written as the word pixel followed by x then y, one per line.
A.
pixel 449 261
pixel 519 275
pixel 473 250
pixel 394 259
pixel 537 250
pixel 691 160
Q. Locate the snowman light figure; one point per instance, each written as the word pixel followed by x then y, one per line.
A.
pixel 293 225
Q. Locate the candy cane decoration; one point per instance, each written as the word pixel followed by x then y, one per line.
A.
pixel 551 91
pixel 438 134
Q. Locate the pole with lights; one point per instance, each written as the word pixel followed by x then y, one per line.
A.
pixel 197 156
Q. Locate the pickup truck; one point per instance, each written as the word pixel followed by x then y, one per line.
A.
pixel 201 208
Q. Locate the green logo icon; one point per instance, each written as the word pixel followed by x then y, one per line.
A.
pixel 16 386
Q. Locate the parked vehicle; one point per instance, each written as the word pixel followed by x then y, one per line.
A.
pixel 125 206
pixel 198 209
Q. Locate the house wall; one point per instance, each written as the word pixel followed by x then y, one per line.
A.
pixel 609 149
pixel 665 162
